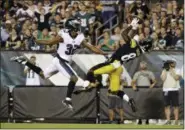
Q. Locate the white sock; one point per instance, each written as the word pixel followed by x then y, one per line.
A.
pixel 24 62
pixel 126 98
pixel 68 99
pixel 86 83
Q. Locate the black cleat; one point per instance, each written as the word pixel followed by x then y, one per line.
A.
pixel 132 104
pixel 147 122
pixel 19 59
pixel 139 122
pixel 68 104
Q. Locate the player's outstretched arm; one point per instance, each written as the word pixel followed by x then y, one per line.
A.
pixel 93 48
pixel 52 41
pixel 130 31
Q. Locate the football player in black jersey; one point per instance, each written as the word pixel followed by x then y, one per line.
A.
pixel 126 52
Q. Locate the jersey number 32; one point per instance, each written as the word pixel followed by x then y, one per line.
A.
pixel 71 49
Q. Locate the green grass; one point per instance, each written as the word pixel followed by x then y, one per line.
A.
pixel 85 126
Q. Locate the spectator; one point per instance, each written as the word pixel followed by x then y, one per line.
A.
pixel 163 22
pixel 158 8
pixel 7 4
pixel 147 32
pixel 32 78
pixel 62 6
pixel 155 41
pixel 143 78
pixel 47 5
pixel 178 41
pixel 181 26
pixel 140 28
pixel 53 29
pixel 34 27
pixel 5 33
pixel 169 8
pixel 58 21
pixel 106 44
pixel 44 35
pixel 24 13
pixel 75 6
pixel 173 27
pixel 181 15
pixel 117 34
pixel 14 41
pixel 85 18
pixel 163 13
pixel 147 23
pixel 43 19
pixel 140 7
pixel 155 25
pixel 51 48
pixel 165 40
pixel 28 40
pixel 147 43
pixel 170 91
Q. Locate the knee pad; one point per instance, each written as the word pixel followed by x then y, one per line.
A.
pixel 74 79
pixel 116 64
pixel 120 94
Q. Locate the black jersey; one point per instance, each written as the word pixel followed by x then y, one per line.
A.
pixel 126 52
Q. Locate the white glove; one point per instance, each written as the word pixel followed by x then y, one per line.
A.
pixel 134 23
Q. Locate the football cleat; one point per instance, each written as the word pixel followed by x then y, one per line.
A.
pixel 19 59
pixel 68 104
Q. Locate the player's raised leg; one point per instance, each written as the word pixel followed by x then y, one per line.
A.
pixel 24 61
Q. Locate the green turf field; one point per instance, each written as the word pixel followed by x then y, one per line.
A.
pixel 85 126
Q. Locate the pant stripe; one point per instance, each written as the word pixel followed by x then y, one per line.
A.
pixel 67 68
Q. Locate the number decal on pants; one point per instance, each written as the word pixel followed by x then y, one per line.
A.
pixel 128 57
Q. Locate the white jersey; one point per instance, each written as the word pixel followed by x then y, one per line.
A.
pixel 69 45
pixel 32 78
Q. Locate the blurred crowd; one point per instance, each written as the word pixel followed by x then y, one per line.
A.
pixel 23 21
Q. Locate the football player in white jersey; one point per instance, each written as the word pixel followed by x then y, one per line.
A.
pixel 69 40
pixel 32 78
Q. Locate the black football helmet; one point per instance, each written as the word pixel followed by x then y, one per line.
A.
pixel 72 25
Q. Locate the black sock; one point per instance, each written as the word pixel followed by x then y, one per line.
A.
pixel 70 89
pixel 120 94
pixel 33 67
pixel 90 77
